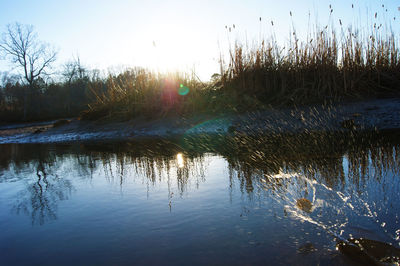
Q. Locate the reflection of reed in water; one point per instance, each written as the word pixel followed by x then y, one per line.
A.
pixel 155 169
pixel 351 162
pixel 152 163
pixel 335 184
pixel 328 159
pixel 373 162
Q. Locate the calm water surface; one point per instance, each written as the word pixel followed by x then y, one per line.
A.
pixel 199 200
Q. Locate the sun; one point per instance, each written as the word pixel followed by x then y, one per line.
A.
pixel 173 47
pixel 170 48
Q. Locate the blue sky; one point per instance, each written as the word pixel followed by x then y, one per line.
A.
pixel 186 34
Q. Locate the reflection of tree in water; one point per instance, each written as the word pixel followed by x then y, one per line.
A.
pixel 318 157
pixel 152 163
pixel 37 166
pixel 40 199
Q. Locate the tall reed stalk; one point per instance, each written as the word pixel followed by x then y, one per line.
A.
pixel 324 66
pixel 139 91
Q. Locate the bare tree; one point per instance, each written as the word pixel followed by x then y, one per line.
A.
pixel 21 46
pixel 73 71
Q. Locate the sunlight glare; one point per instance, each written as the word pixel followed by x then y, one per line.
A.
pixel 174 47
pixel 180 161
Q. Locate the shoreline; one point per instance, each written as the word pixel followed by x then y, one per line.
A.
pixel 377 114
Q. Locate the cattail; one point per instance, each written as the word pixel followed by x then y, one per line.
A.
pixel 260 18
pixel 340 22
pixel 272 23
pixel 290 13
pixel 352 6
pixel 376 14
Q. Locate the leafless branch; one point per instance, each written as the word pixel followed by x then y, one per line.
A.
pixel 21 46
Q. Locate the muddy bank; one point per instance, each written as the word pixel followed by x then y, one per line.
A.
pixel 381 114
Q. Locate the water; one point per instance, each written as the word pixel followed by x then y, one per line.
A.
pixel 199 200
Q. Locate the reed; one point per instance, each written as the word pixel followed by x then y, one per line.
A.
pixel 327 65
pixel 140 91
pixel 324 66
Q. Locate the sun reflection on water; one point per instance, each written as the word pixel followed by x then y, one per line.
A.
pixel 180 160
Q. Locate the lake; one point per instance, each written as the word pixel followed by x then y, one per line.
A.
pixel 202 199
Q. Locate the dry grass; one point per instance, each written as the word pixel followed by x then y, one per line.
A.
pixel 325 66
pixel 142 92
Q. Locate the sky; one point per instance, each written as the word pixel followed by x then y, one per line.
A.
pixel 173 35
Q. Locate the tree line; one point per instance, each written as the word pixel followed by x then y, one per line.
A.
pixel 30 91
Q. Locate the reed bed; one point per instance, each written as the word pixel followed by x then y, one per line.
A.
pixel 324 66
pixel 140 91
pixel 327 65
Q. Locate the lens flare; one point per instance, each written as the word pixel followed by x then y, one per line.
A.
pixel 183 90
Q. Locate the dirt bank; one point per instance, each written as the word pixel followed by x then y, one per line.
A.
pixel 381 114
